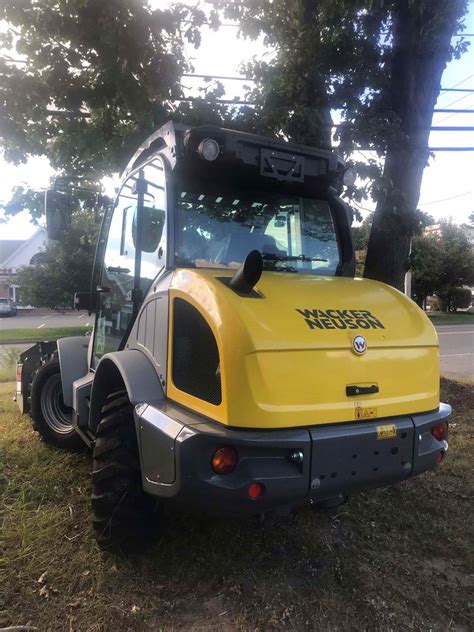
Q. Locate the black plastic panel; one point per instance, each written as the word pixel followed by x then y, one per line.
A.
pixel 195 354
pixel 352 456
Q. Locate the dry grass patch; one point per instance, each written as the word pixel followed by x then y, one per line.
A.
pixel 395 558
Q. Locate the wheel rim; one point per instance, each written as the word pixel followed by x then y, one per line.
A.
pixel 56 414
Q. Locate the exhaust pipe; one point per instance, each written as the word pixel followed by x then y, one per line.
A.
pixel 249 273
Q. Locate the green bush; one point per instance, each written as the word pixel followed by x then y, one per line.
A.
pixel 454 298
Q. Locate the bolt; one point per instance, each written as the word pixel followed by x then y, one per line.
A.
pixel 297 456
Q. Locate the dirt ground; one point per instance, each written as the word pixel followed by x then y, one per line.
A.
pixel 400 558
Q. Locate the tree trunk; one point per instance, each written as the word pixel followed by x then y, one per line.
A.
pixel 314 120
pixel 422 34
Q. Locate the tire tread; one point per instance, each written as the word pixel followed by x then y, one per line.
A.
pixel 123 515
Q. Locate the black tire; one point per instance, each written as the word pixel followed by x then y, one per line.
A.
pixel 123 515
pixel 52 419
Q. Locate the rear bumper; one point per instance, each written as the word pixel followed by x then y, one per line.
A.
pixel 176 449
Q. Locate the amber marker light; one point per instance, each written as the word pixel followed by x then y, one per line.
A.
pixel 224 460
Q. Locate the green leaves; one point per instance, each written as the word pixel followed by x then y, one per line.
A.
pixel 441 260
pixel 64 267
pixel 95 80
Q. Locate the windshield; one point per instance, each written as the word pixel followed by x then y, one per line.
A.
pixel 294 234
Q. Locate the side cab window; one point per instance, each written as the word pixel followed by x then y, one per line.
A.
pixel 144 190
pixel 153 234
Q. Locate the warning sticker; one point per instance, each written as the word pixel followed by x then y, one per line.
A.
pixel 386 432
pixel 363 412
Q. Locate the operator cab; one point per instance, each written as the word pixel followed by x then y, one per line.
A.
pixel 227 193
pixel 205 197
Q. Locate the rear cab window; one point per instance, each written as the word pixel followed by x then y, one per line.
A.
pixel 294 234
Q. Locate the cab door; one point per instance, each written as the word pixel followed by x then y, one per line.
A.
pixel 134 254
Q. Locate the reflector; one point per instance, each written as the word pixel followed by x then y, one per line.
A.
pixel 255 490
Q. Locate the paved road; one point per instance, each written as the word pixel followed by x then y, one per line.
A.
pixel 456 342
pixel 456 346
pixel 46 319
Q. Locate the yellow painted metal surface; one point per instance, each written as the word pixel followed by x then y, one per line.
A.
pixel 287 357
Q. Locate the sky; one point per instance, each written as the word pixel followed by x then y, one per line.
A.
pixel 448 183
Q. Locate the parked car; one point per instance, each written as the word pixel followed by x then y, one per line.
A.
pixel 7 307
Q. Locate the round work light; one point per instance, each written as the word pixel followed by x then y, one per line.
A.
pixel 209 149
pixel 349 177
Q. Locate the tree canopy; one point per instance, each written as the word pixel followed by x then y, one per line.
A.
pixel 442 261
pixel 63 268
pixel 89 80
pixel 95 78
pixel 378 63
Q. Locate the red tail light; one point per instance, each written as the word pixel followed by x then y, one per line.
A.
pixel 19 369
pixel 440 431
pixel 256 490
pixel 224 460
pixel 439 457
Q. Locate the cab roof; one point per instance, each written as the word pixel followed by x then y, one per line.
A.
pixel 251 154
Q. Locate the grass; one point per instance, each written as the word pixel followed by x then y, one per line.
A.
pixel 46 333
pixel 458 318
pixel 8 358
pixel 399 558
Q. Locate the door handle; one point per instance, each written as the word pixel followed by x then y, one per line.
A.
pixel 102 289
pixel 353 390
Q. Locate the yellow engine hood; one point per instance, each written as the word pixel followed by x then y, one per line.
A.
pixel 287 357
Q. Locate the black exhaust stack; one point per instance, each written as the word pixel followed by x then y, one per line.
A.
pixel 249 273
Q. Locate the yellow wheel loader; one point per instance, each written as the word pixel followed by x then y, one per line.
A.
pixel 236 365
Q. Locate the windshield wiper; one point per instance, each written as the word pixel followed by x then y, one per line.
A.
pixel 267 256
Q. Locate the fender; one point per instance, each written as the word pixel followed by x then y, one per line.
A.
pixel 72 352
pixel 130 369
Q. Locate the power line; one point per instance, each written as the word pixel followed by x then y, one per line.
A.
pixel 237 26
pixel 437 110
pixel 230 78
pixel 225 101
pixel 457 101
pixel 225 78
pixel 457 90
pixel 459 83
pixel 453 197
pixel 448 128
pixel 361 208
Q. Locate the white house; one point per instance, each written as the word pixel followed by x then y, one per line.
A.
pixel 14 254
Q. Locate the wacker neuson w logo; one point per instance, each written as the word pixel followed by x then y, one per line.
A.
pixel 340 319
